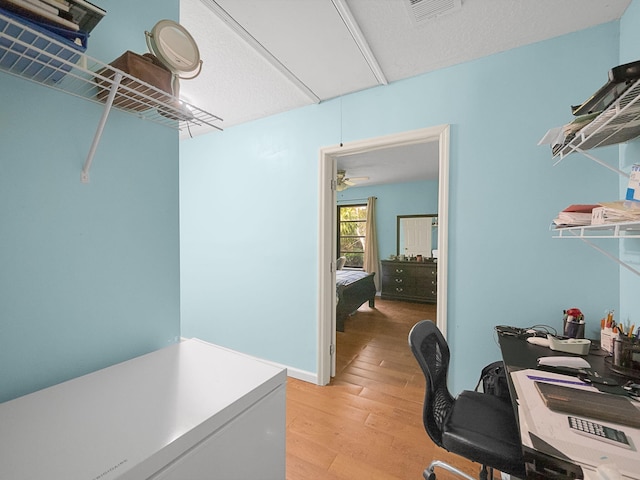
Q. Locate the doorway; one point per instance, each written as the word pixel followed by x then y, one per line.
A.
pixel 327 221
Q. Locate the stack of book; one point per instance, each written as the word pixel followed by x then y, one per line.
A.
pixel 600 214
pixel 73 15
pixel 575 215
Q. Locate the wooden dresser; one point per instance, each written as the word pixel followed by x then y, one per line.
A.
pixel 414 281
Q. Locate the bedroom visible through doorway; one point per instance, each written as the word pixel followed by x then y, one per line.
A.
pixel 328 159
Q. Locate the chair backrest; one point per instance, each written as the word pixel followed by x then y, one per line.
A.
pixel 340 263
pixel 432 353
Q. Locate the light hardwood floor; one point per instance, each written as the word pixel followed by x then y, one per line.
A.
pixel 367 424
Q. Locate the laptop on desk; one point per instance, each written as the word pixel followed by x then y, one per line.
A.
pixel 545 429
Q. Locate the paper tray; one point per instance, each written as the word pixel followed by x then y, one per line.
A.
pixel 620 78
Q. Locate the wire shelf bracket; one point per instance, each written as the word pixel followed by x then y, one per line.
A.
pixel 587 233
pixel 41 58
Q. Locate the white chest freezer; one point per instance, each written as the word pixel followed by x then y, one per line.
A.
pixel 190 411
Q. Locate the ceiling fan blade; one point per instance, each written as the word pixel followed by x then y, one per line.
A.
pixel 342 182
pixel 354 180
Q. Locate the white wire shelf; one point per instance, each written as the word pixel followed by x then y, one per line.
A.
pixel 33 55
pixel 607 230
pixel 618 123
pixel 588 233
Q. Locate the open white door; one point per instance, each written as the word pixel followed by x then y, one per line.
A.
pixel 327 271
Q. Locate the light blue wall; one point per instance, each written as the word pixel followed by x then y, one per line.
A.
pixel 249 205
pixel 630 154
pixel 89 274
pixel 410 198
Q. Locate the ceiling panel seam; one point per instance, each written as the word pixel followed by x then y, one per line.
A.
pixel 360 40
pixel 222 14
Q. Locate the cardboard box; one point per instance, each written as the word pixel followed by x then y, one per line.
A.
pixel 143 68
pixel 633 189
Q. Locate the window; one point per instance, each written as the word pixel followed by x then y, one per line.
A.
pixel 352 230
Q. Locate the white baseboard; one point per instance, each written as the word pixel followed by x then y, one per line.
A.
pixel 296 373
pixel 303 375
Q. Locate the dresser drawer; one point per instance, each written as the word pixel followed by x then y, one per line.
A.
pixel 430 290
pixel 407 291
pixel 407 269
pixel 399 280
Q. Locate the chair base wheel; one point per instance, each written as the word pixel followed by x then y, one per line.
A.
pixel 483 474
pixel 429 473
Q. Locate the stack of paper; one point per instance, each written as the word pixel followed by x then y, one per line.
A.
pixel 560 137
pixel 619 211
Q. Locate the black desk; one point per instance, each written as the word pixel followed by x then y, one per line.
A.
pixel 517 354
pixel 543 460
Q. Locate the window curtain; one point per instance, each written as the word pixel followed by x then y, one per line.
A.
pixel 371 261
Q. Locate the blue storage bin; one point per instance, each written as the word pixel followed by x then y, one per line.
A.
pixel 26 61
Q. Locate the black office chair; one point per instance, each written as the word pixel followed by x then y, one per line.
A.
pixel 474 425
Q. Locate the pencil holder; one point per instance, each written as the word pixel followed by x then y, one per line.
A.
pixel 626 353
pixel 573 323
pixel 606 340
pixel 574 329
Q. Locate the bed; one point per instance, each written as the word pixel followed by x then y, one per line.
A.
pixel 353 288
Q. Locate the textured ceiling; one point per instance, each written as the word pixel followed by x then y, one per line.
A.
pixel 314 56
pixel 407 163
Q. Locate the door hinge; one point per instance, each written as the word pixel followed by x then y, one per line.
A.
pixel 334 184
pixel 332 349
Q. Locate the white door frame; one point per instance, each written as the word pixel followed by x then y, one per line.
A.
pixel 327 241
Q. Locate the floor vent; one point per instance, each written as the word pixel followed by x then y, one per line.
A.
pixel 423 10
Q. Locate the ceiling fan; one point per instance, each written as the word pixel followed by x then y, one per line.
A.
pixel 343 182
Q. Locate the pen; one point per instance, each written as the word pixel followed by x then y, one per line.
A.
pixel 555 380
